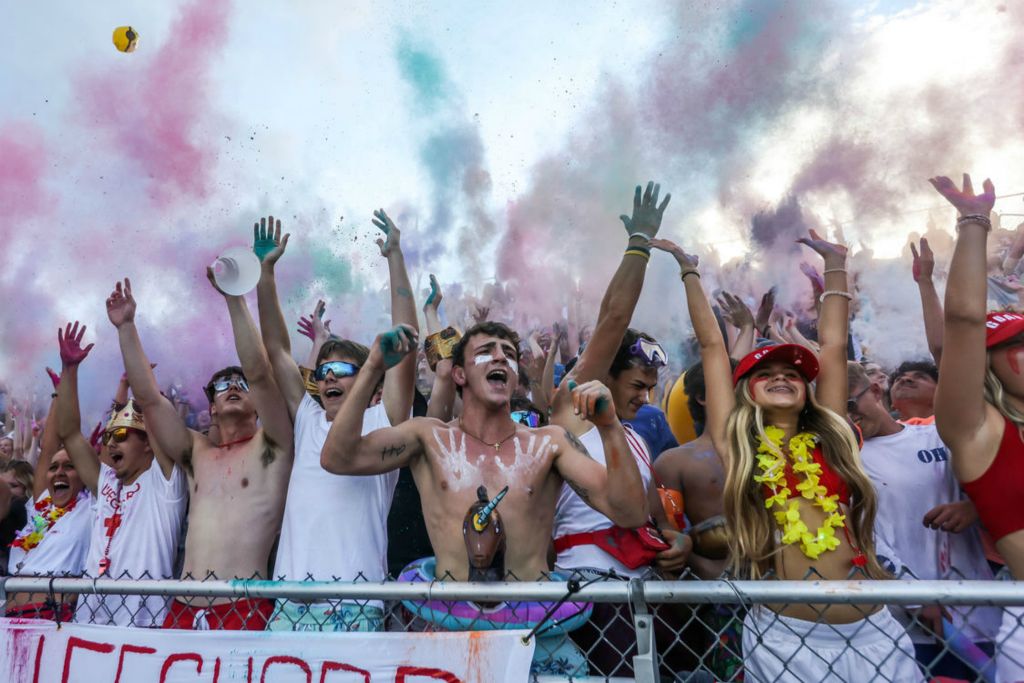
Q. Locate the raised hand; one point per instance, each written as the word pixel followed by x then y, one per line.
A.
pixel 965 201
pixel 389 348
pixel 734 311
pixel 434 298
pixel 70 341
pixel 390 230
pixel 764 311
pixel 924 261
pixel 812 274
pixel 685 261
pixel 213 281
pixel 54 377
pixel 647 213
pixel 121 304
pixel 827 250
pixel 96 438
pixel 267 242
pixel 592 401
pixel 314 326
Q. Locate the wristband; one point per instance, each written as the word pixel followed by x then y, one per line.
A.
pixel 684 273
pixel 833 270
pixel 440 346
pixel 642 252
pixel 834 292
pixel 975 218
pixel 641 235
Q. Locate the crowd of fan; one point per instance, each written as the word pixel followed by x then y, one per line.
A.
pixel 806 460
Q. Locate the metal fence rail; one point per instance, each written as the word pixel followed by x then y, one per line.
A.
pixel 645 630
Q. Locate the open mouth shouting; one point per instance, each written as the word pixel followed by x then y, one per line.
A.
pixel 116 457
pixel 498 379
pixel 333 392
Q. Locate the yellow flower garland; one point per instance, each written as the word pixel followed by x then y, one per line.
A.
pixel 772 462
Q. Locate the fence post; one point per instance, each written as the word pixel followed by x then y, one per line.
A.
pixel 645 663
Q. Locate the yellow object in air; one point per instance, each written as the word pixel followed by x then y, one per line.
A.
pixel 678 412
pixel 125 38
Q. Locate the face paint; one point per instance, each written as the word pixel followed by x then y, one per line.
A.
pixel 1013 358
pixel 485 358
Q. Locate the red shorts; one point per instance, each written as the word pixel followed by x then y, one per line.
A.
pixel 42 610
pixel 240 615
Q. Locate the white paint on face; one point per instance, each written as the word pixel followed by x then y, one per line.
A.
pixel 485 358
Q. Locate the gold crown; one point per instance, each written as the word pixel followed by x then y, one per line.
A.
pixel 127 416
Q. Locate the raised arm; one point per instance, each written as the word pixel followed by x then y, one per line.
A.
pixel 931 307
pixel 162 420
pixel 266 397
pixel 833 324
pixel 346 450
pixel 317 329
pixel 736 313
pixel 960 397
pixel 623 291
pixel 48 444
pixel 269 246
pixel 713 353
pixel 69 421
pixel 400 380
pixel 616 490
pixel 442 396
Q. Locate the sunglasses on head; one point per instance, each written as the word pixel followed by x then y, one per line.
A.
pixel 118 434
pixel 529 418
pixel 338 368
pixel 222 385
pixel 651 352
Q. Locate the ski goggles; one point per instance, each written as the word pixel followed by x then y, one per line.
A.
pixel 338 368
pixel 529 418
pixel 651 352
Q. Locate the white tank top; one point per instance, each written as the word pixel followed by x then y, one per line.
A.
pixel 573 516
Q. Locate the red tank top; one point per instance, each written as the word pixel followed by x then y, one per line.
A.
pixel 833 484
pixel 996 493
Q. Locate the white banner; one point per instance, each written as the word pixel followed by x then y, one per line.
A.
pixel 35 651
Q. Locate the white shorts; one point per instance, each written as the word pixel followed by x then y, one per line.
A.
pixel 1010 646
pixel 778 648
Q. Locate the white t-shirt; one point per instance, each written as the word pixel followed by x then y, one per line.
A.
pixel 64 545
pixel 912 475
pixel 143 545
pixel 335 526
pixel 573 516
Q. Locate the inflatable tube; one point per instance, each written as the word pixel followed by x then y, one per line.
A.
pixel 470 616
pixel 677 412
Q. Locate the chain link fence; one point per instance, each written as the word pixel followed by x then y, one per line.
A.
pixel 688 630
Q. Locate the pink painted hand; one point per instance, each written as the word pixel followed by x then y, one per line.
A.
pixel 70 341
pixel 54 377
pixel 965 201
pixel 314 326
pixel 121 304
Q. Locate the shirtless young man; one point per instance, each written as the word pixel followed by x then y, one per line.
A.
pixel 238 485
pixel 485 447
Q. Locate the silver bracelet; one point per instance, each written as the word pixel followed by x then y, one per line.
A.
pixel 834 292
pixel 833 270
pixel 981 220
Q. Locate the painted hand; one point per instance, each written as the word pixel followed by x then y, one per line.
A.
pixel 685 261
pixel 593 402
pixel 54 377
pixel 434 298
pixel 314 326
pixel 965 201
pixel 392 346
pixel 646 219
pixel 924 261
pixel 70 341
pixel 823 247
pixel 121 304
pixel 267 242
pixel 390 230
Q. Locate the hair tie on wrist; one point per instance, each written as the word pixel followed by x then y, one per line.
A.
pixel 684 273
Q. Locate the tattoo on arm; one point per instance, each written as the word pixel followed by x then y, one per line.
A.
pixel 577 444
pixel 580 491
pixel 392 452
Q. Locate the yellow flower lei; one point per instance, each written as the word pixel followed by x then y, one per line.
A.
pixel 772 462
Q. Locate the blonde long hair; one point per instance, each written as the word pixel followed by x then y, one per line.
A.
pixel 996 395
pixel 752 526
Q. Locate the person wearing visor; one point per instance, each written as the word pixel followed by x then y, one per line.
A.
pixel 979 402
pixel 357 549
pixel 138 500
pixel 237 482
pixel 798 504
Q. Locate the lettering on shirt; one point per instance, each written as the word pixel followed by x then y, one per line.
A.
pixel 934 455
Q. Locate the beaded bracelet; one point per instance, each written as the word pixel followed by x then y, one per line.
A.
pixel 981 220
pixel 834 292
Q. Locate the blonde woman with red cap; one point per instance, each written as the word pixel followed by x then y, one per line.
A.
pixel 798 504
pixel 979 404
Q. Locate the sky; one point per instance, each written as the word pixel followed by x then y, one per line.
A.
pixel 505 139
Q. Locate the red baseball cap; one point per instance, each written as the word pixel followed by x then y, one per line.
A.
pixel 800 357
pixel 1003 326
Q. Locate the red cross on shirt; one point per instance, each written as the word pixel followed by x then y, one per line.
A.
pixel 112 523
